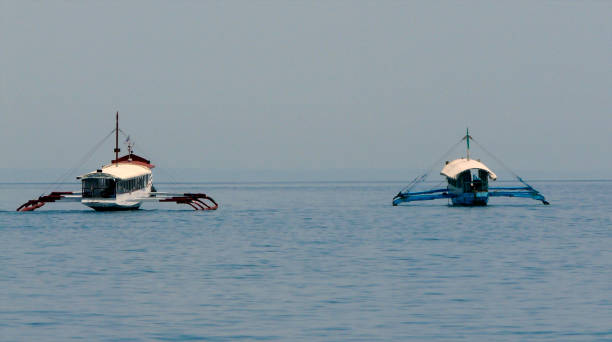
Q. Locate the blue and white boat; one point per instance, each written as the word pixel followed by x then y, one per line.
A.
pixel 467 184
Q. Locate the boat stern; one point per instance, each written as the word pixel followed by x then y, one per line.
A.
pixel 480 198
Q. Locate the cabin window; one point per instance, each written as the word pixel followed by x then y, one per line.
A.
pixel 464 180
pixel 484 178
pixel 132 184
pixel 98 188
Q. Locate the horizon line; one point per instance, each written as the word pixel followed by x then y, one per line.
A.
pixel 563 180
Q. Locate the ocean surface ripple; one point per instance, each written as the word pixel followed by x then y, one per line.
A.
pixel 310 262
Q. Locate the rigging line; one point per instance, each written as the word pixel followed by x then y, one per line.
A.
pixel 495 158
pixel 161 170
pixel 423 177
pixel 502 163
pixel 80 163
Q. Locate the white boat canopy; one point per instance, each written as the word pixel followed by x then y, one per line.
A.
pixel 122 171
pixel 455 167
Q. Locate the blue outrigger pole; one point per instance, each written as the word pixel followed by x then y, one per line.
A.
pixel 526 191
pixel 465 189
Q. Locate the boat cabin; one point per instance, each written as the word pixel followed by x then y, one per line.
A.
pixel 468 180
pixel 116 179
pixel 98 186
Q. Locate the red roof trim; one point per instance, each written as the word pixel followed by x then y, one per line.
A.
pixel 135 159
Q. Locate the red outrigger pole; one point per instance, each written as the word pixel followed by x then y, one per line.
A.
pixel 196 201
pixel 37 203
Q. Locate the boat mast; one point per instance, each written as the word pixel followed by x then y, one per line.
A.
pixel 117 139
pixel 467 138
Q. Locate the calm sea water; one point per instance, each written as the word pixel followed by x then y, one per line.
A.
pixel 310 262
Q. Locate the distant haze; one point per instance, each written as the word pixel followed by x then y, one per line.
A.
pixel 303 87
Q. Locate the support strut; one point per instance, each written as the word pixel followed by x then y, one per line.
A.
pixel 196 201
pixel 34 204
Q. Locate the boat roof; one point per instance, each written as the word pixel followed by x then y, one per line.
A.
pixel 134 159
pixel 122 171
pixel 455 167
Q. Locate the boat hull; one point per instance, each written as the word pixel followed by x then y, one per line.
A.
pixel 127 201
pixel 98 207
pixel 471 199
pixel 110 206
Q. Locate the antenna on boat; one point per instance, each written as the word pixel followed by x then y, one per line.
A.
pixel 130 147
pixel 117 150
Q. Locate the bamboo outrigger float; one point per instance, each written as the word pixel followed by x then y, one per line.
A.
pixel 467 184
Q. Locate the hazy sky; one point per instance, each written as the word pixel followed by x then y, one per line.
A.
pixel 301 85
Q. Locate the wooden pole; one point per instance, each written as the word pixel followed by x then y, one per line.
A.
pixel 117 150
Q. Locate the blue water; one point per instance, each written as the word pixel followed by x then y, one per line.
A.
pixel 310 262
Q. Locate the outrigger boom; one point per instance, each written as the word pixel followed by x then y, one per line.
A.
pixel 197 201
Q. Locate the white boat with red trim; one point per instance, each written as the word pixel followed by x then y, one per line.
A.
pixel 124 184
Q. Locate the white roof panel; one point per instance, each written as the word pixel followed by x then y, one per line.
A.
pixel 455 167
pixel 123 170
